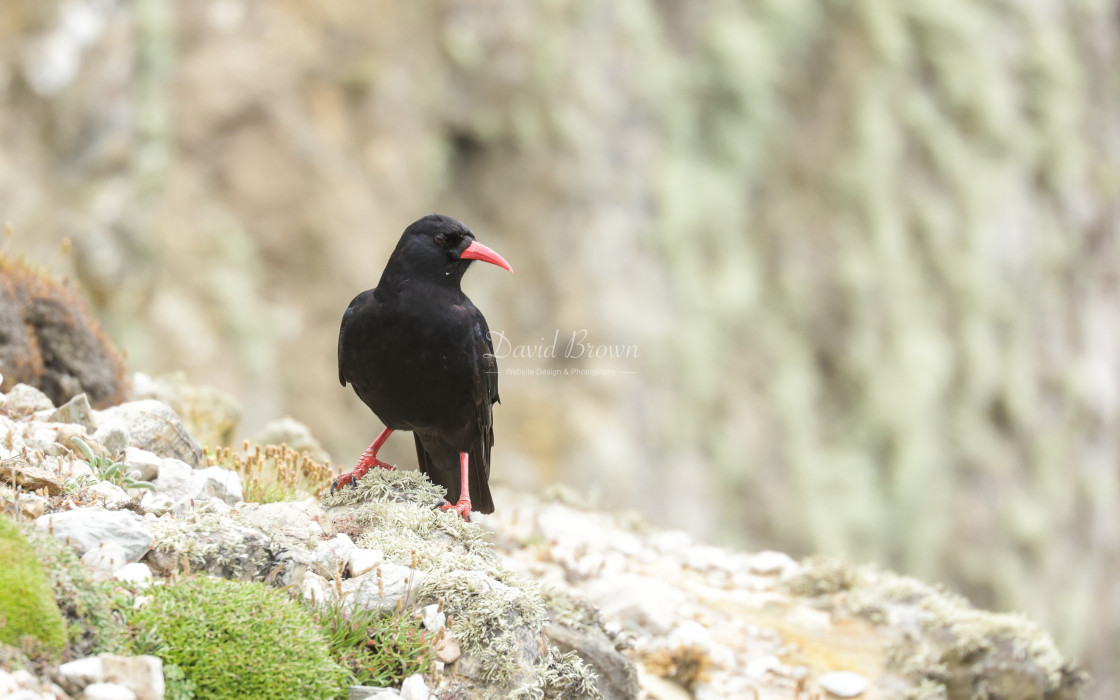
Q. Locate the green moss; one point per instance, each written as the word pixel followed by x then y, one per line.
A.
pixel 27 604
pixel 238 640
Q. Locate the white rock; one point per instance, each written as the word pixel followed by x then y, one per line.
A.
pixel 154 426
pixel 690 632
pixel 414 688
pixel 333 555
pixel 28 694
pixel 77 410
pixel 82 672
pixel 140 675
pixel 40 436
pixel 316 588
pixel 638 601
pixel 71 468
pixel 221 483
pixel 398 583
pixel 141 464
pixel 434 618
pixel 108 691
pixel 843 684
pixel 25 398
pixel 156 502
pixel 216 506
pixel 771 563
pixel 112 495
pixel 8 684
pixel 24 679
pixel 104 560
pixel 363 560
pixel 85 528
pixel 365 692
pixel 176 479
pixel 757 668
pixel 135 573
pixel 113 436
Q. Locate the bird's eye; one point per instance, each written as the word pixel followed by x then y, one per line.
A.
pixel 440 239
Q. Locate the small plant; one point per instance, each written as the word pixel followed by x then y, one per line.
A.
pixel 237 639
pixel 274 472
pixel 104 469
pixel 380 648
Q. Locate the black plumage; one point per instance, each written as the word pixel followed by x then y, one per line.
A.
pixel 418 353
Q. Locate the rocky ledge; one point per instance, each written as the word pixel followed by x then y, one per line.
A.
pixel 543 599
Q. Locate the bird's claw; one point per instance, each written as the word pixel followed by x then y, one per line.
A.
pixel 463 508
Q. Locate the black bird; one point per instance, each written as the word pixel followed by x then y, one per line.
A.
pixel 419 354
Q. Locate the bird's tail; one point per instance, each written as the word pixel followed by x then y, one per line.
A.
pixel 449 479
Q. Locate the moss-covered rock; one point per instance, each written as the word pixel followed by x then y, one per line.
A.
pixel 239 640
pixel 27 604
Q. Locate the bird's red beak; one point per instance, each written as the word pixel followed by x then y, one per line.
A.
pixel 477 251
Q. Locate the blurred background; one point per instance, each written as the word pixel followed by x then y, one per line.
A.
pixel 858 262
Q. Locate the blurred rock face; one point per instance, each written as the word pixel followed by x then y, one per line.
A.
pixel 865 255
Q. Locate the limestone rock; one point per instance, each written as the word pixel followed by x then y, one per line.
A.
pixel 154 426
pixel 142 675
pixel 434 618
pixel 77 411
pixel 76 675
pixel 332 556
pixel 26 399
pixel 397 584
pixel 176 479
pixel 104 560
pixel 210 543
pixel 30 478
pixel 135 573
pixel 843 684
pixel 85 528
pixel 114 437
pixel 141 464
pixel 366 692
pixel 639 601
pixel 108 691
pixel 111 495
pixel 215 482
pixel 618 678
pixel 415 688
pixel 363 560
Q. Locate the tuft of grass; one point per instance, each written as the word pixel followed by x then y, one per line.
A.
pixel 29 615
pixel 379 648
pixel 235 639
pixel 273 473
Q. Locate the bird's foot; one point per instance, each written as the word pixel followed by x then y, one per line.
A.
pixel 366 463
pixel 463 508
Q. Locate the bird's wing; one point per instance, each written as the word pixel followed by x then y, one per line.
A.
pixel 356 304
pixel 488 364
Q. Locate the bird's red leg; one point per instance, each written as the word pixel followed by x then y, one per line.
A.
pixel 365 463
pixel 463 507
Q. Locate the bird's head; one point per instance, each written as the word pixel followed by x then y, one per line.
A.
pixel 439 247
